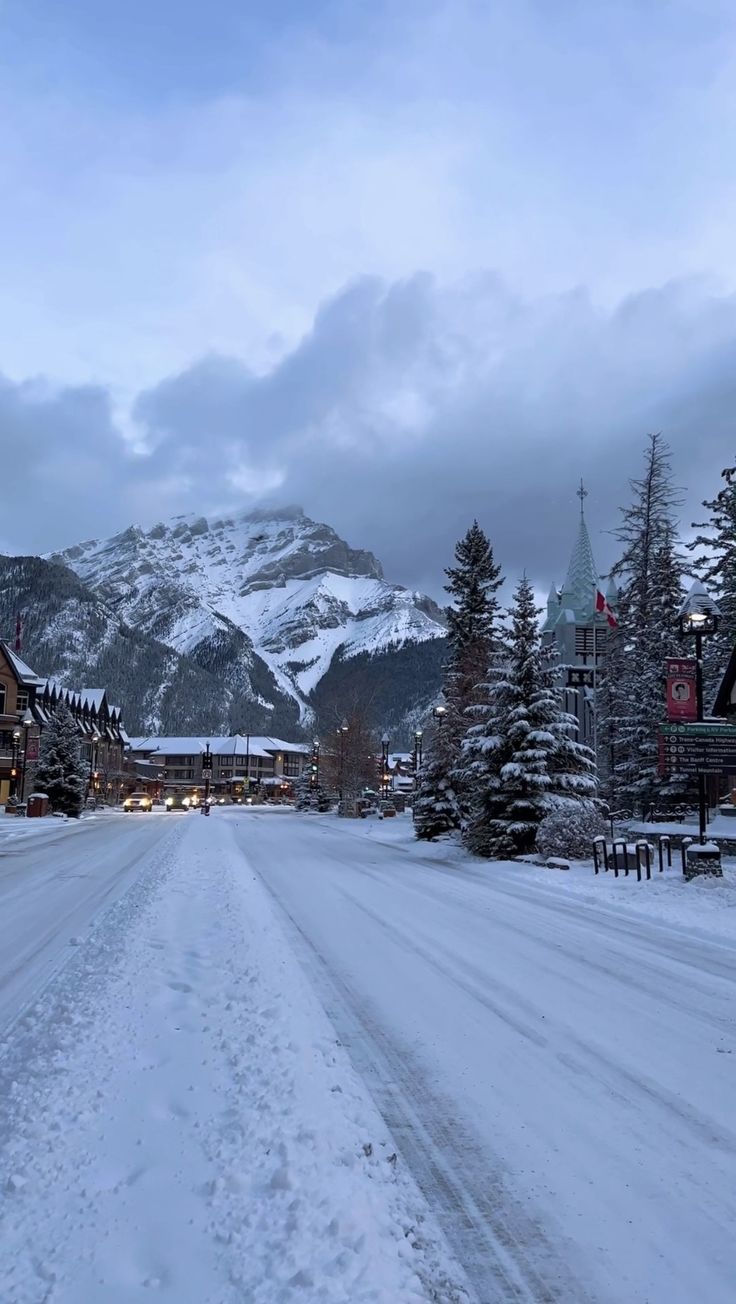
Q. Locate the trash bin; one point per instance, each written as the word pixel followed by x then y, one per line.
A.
pixel 37 805
pixel 703 858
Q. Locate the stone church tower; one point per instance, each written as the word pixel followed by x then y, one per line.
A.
pixel 580 633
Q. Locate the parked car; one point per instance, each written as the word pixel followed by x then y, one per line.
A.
pixel 177 801
pixel 138 801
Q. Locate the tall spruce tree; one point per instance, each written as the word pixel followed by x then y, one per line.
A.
pixel 524 756
pixel 473 632
pixel 61 773
pixel 716 566
pixel 650 573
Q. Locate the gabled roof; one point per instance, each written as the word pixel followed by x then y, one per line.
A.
pixel 21 670
pixel 93 697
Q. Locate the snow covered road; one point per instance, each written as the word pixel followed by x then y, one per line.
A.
pixel 559 1074
pixel 54 878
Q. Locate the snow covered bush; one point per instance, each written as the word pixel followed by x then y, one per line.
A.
pixel 568 831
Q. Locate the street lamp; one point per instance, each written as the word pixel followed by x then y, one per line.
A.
pixel 207 775
pixel 698 617
pixel 93 761
pixel 26 720
pixel 439 712
pixel 14 763
pixel 341 736
pixel 385 774
pixel 417 755
pixel 315 762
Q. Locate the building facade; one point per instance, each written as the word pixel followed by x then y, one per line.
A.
pixel 27 703
pixel 242 765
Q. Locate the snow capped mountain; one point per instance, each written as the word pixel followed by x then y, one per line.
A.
pixel 291 587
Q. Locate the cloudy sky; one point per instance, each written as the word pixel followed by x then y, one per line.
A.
pixel 402 262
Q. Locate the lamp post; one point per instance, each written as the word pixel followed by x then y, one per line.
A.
pixel 341 733
pixel 26 720
pixel 207 775
pixel 417 756
pixel 14 764
pixel 385 773
pixel 92 762
pixel 698 617
pixel 315 762
pixel 439 712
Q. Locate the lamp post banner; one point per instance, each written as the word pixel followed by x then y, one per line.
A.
pixel 682 697
pixel 32 750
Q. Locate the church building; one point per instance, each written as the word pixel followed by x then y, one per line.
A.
pixel 579 622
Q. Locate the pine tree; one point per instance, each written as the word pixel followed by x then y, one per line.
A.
pixel 524 757
pixel 435 805
pixel 651 572
pixel 472 634
pixel 716 566
pixel 61 773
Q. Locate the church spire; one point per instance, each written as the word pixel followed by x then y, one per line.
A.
pixel 577 596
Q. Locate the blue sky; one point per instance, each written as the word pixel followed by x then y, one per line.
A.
pixel 490 240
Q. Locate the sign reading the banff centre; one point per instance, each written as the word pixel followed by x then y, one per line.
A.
pixel 697 748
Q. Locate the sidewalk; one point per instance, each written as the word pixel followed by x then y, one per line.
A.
pixel 183 1122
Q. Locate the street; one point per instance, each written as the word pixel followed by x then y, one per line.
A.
pixel 52 884
pixel 555 1074
pixel 561 1081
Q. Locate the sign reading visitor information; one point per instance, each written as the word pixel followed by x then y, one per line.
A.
pixel 682 697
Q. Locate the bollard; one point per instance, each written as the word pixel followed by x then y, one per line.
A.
pixel 683 848
pixel 665 841
pixel 645 847
pixel 600 851
pixel 619 845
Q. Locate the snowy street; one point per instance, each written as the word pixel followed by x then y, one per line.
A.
pixel 301 1059
pixel 54 878
pixel 559 1077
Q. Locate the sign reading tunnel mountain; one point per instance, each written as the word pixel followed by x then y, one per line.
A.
pixel 697 748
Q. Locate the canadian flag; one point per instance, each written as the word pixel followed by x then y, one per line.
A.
pixel 603 608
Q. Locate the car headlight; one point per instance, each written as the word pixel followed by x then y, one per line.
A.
pixel 185 801
pixel 169 801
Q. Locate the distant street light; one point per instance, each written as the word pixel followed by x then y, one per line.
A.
pixel 385 772
pixel 698 617
pixel 417 756
pixel 439 712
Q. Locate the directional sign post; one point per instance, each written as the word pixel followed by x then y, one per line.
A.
pixel 698 748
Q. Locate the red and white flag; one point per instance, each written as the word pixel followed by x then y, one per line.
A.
pixel 602 607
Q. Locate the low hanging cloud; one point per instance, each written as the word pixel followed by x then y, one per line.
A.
pixel 408 409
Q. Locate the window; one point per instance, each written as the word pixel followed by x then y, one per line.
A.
pixel 2 699
pixel 21 701
pixel 226 774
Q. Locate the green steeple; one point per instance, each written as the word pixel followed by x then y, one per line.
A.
pixel 576 603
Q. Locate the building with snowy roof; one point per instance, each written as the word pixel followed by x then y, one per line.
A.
pixel 27 703
pixel 240 764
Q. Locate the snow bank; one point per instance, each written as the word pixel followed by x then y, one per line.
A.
pixel 182 1121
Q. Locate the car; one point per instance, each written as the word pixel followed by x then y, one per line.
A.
pixel 177 801
pixel 138 801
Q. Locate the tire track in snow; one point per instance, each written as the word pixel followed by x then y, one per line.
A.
pixel 505 1251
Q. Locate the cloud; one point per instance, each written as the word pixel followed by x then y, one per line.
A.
pixel 410 408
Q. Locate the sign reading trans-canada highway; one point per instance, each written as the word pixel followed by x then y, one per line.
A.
pixel 697 748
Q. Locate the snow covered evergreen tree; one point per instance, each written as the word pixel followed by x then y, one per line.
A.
pixel 435 806
pixel 524 757
pixel 473 631
pixel 650 573
pixel 716 566
pixel 61 773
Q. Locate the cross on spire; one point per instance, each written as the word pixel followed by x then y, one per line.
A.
pixel 582 494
